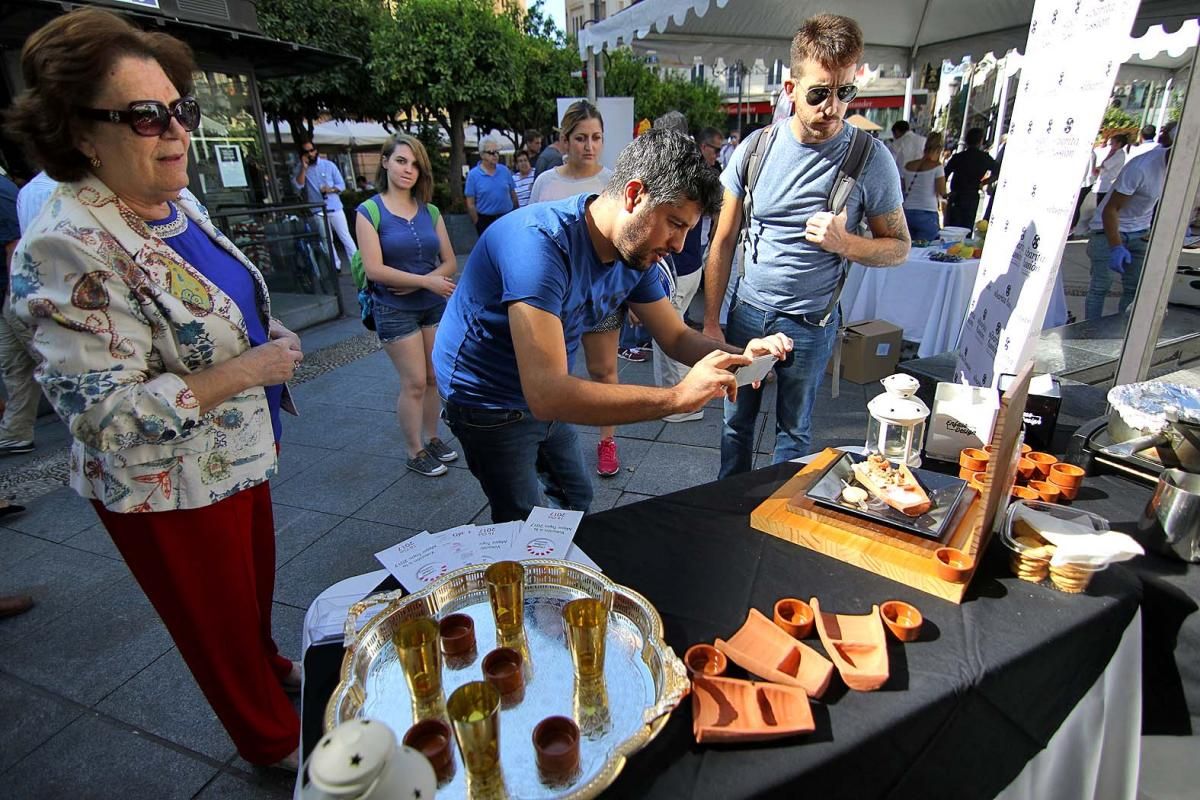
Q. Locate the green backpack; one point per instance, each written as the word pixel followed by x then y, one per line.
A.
pixel 366 303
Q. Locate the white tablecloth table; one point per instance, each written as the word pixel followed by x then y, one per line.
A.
pixel 928 299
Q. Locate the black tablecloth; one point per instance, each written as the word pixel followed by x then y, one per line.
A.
pixel 966 706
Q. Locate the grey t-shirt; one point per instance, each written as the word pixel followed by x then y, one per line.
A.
pixel 791 274
pixel 549 158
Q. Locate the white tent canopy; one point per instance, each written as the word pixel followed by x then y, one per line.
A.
pixel 930 30
pixel 337 133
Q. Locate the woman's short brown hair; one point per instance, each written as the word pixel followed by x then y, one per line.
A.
pixel 61 63
pixel 422 190
pixel 832 41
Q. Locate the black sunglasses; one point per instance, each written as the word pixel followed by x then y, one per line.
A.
pixel 150 117
pixel 819 94
pixel 491 152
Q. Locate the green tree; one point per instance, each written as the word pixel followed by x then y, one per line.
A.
pixel 340 26
pixel 448 60
pixel 627 75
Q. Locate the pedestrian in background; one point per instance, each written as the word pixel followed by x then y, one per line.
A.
pixel 491 192
pixel 968 172
pixel 923 181
pixel 553 155
pixel 320 181
pixel 523 178
pixel 411 265
pixel 1111 162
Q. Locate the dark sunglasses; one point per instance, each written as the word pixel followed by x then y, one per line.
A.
pixel 819 94
pixel 150 117
pixel 491 152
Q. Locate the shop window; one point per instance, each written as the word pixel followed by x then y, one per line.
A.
pixel 226 165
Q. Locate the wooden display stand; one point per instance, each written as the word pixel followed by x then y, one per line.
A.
pixel 886 551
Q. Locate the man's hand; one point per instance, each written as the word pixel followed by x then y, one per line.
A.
pixel 1119 256
pixel 709 379
pixel 776 344
pixel 828 232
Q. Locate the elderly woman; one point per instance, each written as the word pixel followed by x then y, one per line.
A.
pixel 159 352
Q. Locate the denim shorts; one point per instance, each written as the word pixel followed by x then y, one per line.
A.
pixel 397 323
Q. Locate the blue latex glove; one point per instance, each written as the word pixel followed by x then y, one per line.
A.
pixel 1119 256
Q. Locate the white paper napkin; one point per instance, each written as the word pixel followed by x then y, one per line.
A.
pixel 1076 542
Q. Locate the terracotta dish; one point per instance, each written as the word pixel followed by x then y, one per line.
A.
pixel 433 738
pixel 1046 491
pixel 857 646
pixel 556 744
pixel 794 616
pixel 953 564
pixel 502 669
pixel 763 648
pixel 704 659
pixel 457 632
pixel 1025 469
pixel 730 710
pixel 973 459
pixel 902 619
pixel 1041 463
pixel 1026 492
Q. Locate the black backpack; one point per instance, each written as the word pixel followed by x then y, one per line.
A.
pixel 848 174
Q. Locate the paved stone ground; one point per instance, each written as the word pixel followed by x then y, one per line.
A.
pixel 95 700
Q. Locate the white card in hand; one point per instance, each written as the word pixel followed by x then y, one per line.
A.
pixel 756 370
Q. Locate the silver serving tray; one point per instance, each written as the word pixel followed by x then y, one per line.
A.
pixel 644 678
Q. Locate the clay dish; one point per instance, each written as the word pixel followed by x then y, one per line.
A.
pixel 794 616
pixel 965 474
pixel 953 565
pixel 1067 475
pixel 704 659
pixel 1041 463
pixel 857 646
pixel 973 459
pixel 979 481
pixel 1047 491
pixel 432 738
pixel 764 649
pixel 902 619
pixel 1025 469
pixel 502 669
pixel 731 710
pixel 556 744
pixel 1025 492
pixel 457 632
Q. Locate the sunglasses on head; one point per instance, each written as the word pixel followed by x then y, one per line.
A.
pixel 819 94
pixel 150 117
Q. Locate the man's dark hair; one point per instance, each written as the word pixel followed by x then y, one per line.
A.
pixel 900 127
pixel 708 134
pixel 974 137
pixel 305 143
pixel 1148 133
pixel 671 168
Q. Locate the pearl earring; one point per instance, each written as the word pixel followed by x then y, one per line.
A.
pixel 95 162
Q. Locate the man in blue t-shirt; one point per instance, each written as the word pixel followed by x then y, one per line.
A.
pixel 796 248
pixel 534 284
pixel 490 192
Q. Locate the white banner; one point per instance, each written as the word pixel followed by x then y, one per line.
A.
pixel 1075 48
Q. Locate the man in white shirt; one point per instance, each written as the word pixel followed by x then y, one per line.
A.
pixel 1122 223
pixel 320 181
pixel 1145 141
pixel 905 145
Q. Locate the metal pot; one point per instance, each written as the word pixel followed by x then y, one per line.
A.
pixel 1173 433
pixel 1171 522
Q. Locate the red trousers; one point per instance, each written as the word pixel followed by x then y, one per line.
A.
pixel 210 573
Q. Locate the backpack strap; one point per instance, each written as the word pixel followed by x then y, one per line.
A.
pixel 750 169
pixel 839 194
pixel 434 213
pixel 372 211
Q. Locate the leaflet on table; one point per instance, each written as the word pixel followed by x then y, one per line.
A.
pixel 417 561
pixel 546 533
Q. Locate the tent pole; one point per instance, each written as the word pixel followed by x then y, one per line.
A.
pixel 908 88
pixel 1162 107
pixel 966 120
pixel 1001 112
pixel 591 65
pixel 1166 239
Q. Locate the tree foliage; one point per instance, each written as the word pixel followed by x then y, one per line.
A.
pixel 627 75
pixel 340 26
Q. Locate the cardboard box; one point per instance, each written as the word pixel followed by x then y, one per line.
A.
pixel 870 350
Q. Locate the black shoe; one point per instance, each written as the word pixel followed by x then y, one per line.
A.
pixel 426 464
pixel 439 450
pixel 9 448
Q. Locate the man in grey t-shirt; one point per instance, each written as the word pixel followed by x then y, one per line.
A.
pixel 796 247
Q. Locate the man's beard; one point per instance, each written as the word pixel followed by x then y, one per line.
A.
pixel 633 242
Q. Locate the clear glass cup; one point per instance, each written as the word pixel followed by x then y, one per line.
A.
pixel 587 627
pixel 506 589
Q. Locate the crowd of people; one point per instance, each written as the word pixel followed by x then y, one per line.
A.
pixel 155 343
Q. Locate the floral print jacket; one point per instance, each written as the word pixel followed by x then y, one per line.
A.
pixel 118 317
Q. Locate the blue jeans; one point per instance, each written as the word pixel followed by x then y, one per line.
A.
pixel 514 457
pixel 1102 274
pixel 922 225
pixel 799 377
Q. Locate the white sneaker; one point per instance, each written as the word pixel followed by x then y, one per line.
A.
pixel 685 417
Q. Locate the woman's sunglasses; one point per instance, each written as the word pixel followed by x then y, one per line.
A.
pixel 819 94
pixel 150 117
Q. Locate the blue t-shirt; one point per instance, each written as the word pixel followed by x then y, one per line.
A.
pixel 492 193
pixel 541 255
pixel 791 274
pixel 228 274
pixel 407 244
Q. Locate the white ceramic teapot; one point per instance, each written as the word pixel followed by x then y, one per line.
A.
pixel 361 760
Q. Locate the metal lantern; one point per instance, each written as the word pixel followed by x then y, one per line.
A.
pixel 897 425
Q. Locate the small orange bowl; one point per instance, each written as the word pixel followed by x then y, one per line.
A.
pixel 1026 449
pixel 902 619
pixel 979 481
pixel 1025 469
pixel 794 616
pixel 965 474
pixel 1042 463
pixel 704 659
pixel 1067 475
pixel 973 459
pixel 953 565
pixel 1025 493
pixel 1047 491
